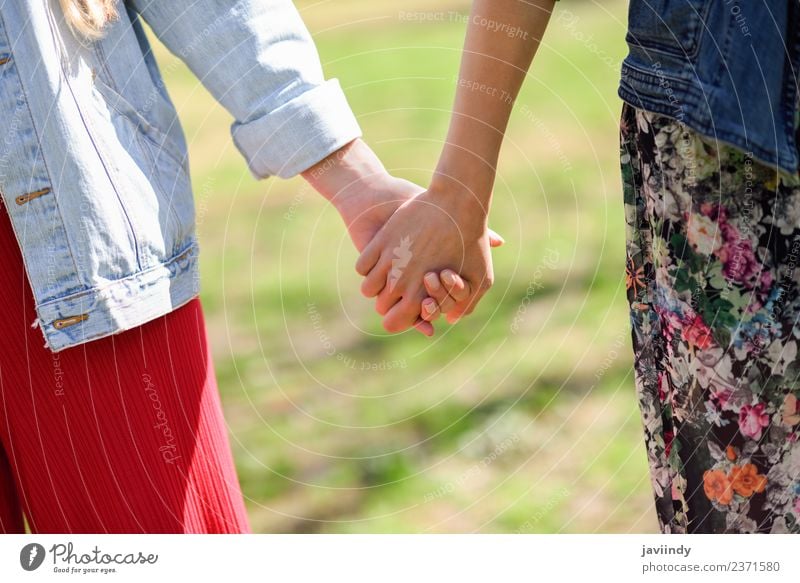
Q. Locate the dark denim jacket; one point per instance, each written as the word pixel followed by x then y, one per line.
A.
pixel 727 69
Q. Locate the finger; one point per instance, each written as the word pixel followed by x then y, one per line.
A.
pixel 430 310
pixel 453 317
pixel 461 310
pixel 385 301
pixel 436 290
pixel 495 240
pixel 457 288
pixel 402 316
pixel 425 327
pixel 370 256
pixel 375 281
pixel 467 306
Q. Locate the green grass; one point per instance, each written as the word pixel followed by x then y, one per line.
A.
pixel 339 427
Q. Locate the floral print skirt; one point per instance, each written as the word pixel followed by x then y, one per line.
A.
pixel 713 246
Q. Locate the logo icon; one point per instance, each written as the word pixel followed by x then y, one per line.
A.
pixel 403 256
pixel 31 556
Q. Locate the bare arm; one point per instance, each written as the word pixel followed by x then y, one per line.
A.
pixel 448 223
pixel 502 39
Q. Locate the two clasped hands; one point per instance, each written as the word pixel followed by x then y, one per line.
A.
pixel 424 253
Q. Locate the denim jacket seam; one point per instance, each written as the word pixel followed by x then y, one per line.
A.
pixel 723 50
pixel 702 18
pixel 91 135
pixel 164 146
pixel 101 59
pixel 144 146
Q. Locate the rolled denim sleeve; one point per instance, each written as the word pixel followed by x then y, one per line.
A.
pixel 257 58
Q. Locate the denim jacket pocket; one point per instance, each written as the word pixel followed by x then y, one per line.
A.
pixel 165 167
pixel 674 27
pixel 157 137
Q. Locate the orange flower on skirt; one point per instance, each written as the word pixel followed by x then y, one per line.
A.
pixel 717 486
pixel 747 481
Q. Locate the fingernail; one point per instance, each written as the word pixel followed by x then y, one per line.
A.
pixel 449 277
pixel 432 280
pixel 429 306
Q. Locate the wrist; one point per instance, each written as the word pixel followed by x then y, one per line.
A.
pixel 468 200
pixel 464 175
pixel 347 173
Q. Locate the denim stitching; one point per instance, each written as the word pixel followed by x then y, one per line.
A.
pixel 44 163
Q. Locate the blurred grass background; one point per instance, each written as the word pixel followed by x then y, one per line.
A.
pixel 520 419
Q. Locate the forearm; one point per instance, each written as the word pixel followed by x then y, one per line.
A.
pixel 502 39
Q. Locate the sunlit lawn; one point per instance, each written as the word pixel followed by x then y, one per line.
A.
pixel 522 418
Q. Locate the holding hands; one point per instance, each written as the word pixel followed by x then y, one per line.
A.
pixel 412 265
pixel 414 243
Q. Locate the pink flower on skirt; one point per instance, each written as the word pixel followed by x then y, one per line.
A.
pixel 752 420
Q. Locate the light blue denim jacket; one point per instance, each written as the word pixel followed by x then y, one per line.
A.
pixel 94 170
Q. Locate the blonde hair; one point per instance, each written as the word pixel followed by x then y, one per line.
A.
pixel 88 18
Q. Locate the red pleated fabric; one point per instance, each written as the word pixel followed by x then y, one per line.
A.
pixel 123 434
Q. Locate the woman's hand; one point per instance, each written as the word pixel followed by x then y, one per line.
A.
pixel 433 231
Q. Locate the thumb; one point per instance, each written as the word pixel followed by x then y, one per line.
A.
pixel 495 240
